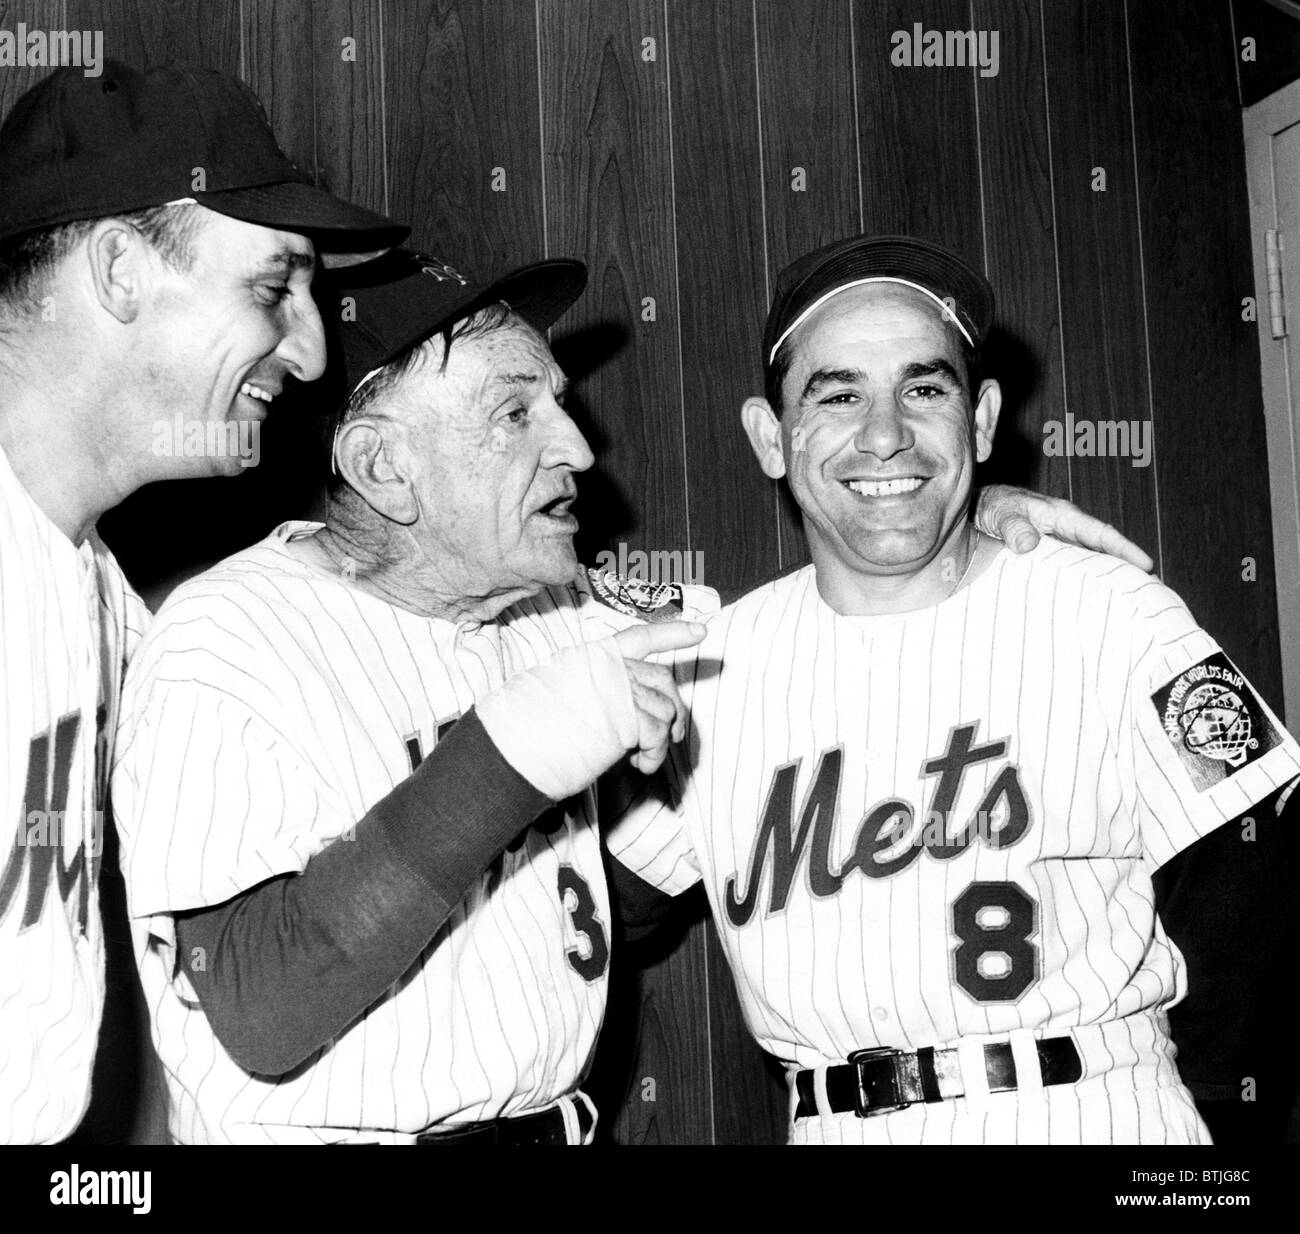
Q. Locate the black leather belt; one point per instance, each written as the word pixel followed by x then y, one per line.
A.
pixel 524 1131
pixel 878 1081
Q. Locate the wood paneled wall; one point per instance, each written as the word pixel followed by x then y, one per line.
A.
pixel 687 149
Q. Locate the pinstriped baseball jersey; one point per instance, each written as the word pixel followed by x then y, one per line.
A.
pixel 68 619
pixel 271 706
pixel 927 828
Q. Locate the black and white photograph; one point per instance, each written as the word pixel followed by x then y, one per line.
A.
pixel 650 573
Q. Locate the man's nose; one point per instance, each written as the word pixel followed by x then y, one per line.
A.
pixel 567 446
pixel 883 429
pixel 303 345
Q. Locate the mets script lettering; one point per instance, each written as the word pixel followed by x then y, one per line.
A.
pixel 39 842
pixel 888 838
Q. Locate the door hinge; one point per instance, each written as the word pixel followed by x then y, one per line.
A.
pixel 1276 298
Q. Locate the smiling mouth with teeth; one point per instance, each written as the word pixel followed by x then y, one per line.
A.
pixel 884 488
pixel 264 396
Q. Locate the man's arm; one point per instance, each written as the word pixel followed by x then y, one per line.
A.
pixel 1229 903
pixel 283 968
pixel 1206 761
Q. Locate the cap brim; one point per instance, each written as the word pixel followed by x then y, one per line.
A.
pixel 540 293
pixel 333 225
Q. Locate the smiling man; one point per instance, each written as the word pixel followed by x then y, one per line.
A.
pixel 156 251
pixel 231 341
pixel 928 783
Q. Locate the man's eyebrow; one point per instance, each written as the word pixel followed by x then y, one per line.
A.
pixel 828 377
pixel 290 259
pixel 510 380
pixel 517 379
pixel 930 368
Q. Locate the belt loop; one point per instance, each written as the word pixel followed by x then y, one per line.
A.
pixel 1029 1068
pixel 974 1074
pixel 569 1112
pixel 792 1079
pixel 595 1118
pixel 819 1089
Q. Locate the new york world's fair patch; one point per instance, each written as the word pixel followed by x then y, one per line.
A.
pixel 1214 720
pixel 634 597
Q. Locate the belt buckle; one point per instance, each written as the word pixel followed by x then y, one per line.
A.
pixel 859 1092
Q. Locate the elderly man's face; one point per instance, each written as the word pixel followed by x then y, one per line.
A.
pixel 223 335
pixel 878 434
pixel 493 455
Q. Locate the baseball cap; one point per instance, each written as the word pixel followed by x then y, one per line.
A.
pixel 405 297
pixel 76 147
pixel 803 286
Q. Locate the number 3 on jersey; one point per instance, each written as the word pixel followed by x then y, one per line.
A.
pixel 994 961
pixel 590 957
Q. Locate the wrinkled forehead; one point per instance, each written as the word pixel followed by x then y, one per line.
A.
pixel 882 321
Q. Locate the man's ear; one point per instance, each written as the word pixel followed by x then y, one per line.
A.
pixel 117 255
pixel 763 429
pixel 367 461
pixel 986 418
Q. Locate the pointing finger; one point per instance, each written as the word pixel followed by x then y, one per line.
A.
pixel 637 642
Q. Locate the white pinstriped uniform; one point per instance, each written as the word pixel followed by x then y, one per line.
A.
pixel 270 707
pixel 68 619
pixel 1047 664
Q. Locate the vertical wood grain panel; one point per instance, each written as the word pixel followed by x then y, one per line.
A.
pixel 719 218
pixel 917 130
pixel 806 95
pixel 806 106
pixel 277 64
pixel 609 200
pixel 348 101
pixel 1099 255
pixel 461 100
pixel 203 32
pixel 1024 351
pixel 1209 424
pixel 733 506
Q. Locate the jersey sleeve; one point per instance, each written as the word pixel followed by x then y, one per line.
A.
pixel 1205 748
pixel 211 797
pixel 648 832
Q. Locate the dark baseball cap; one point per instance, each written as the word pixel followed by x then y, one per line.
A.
pixel 76 147
pixel 405 297
pixel 806 284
